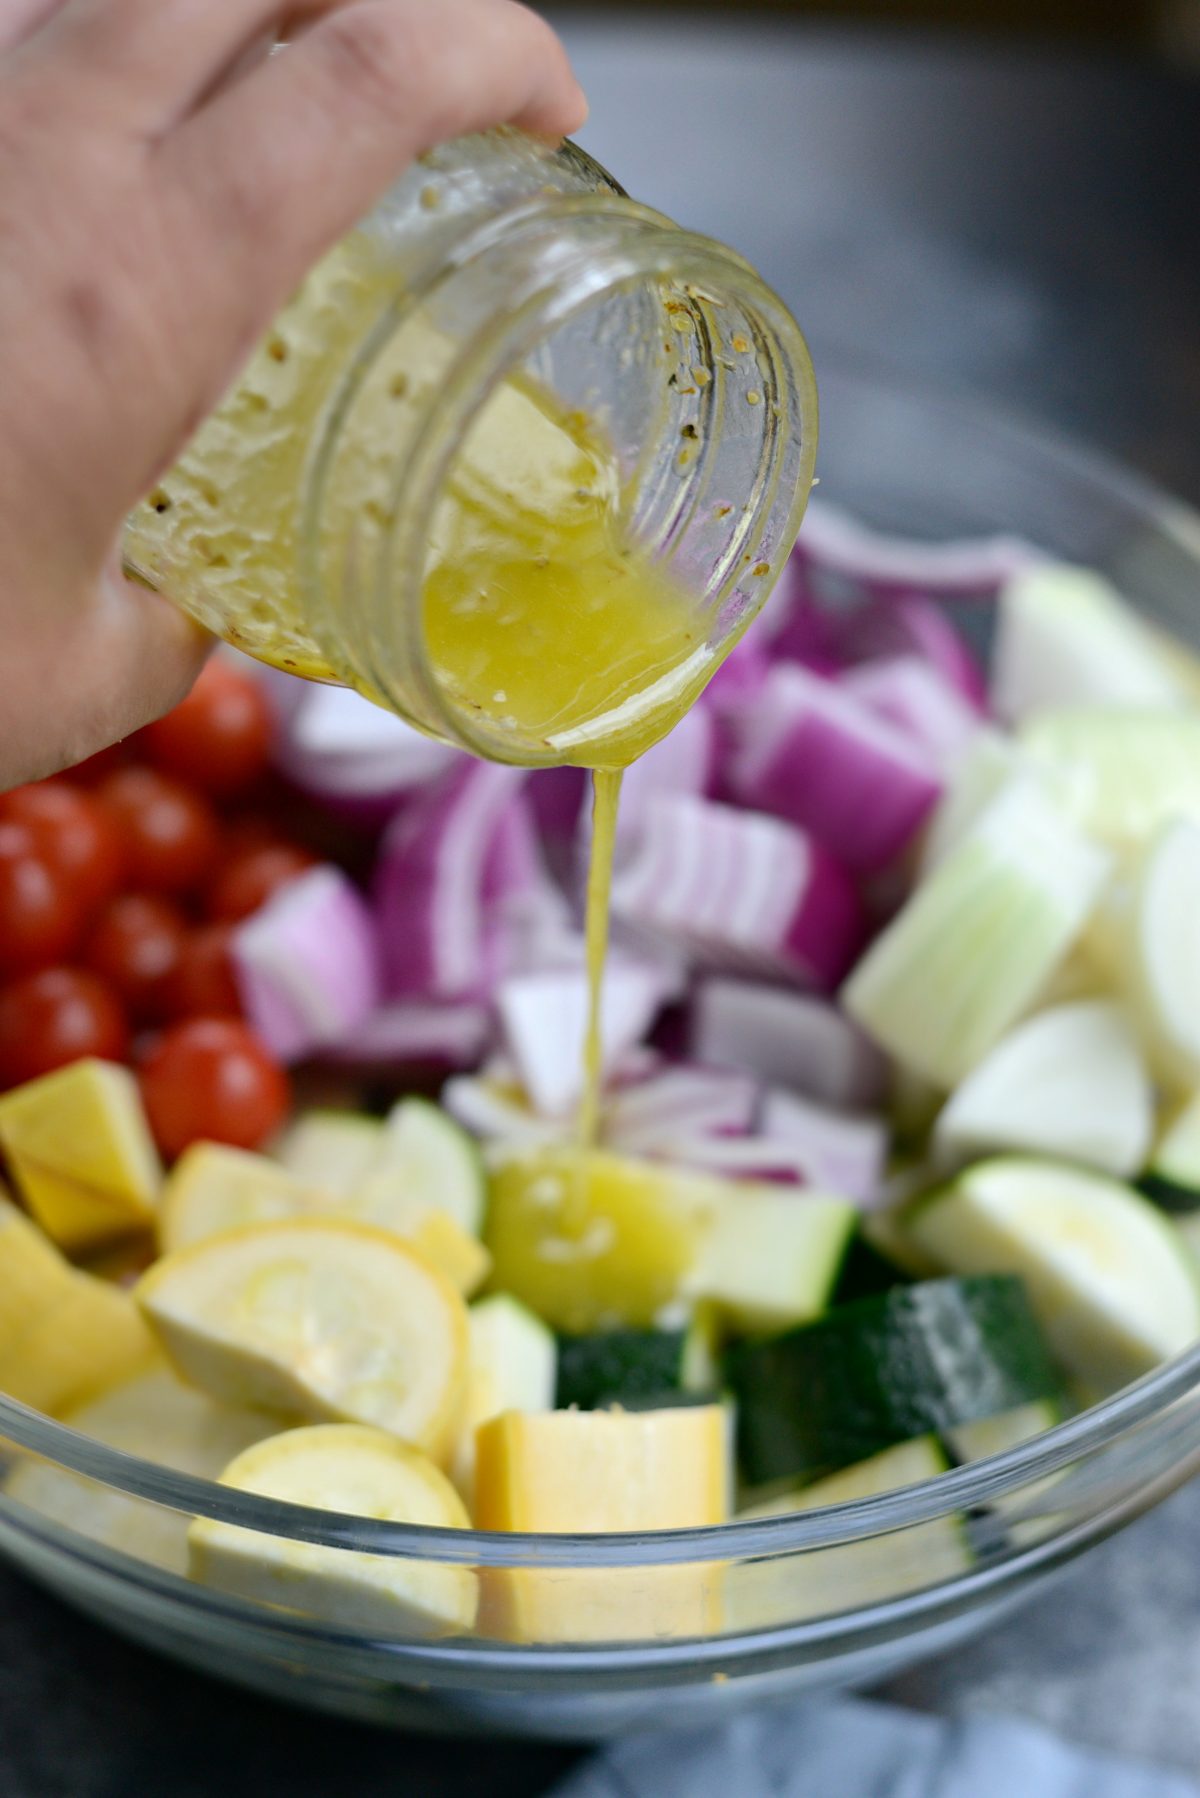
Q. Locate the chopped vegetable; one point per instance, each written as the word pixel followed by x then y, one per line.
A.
pixel 1157 951
pixel 767 1593
pixel 213 1188
pixel 81 1154
pixel 635 1369
pixel 348 752
pixel 968 952
pixel 911 695
pixel 307 964
pixel 589 1241
pixel 677 1103
pixel 740 891
pixel 159 1419
pixel 544 1017
pixel 1172 1179
pixel 841 1151
pixel 317 1319
pixel 212 1078
pixel 332 1150
pixel 437 937
pixel 1107 1274
pixel 64 1335
pixel 882 1370
pixel 772 1256
pixel 786 1039
pixel 424 1162
pixel 1064 636
pixel 580 1471
pixel 55 1017
pixel 1124 773
pixel 810 752
pixel 444 1243
pixel 363 1472
pixel 511 1366
pixel 1067 1082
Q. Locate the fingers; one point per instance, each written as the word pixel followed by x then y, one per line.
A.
pixel 58 712
pixel 289 158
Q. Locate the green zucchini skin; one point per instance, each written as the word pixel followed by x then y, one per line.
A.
pixel 1175 1196
pixel 621 1367
pixel 865 1273
pixel 912 1361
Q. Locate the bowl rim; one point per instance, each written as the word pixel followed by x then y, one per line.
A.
pixel 958 1489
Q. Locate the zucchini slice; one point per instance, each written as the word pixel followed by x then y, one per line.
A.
pixel 1065 636
pixel 1172 1179
pixel 773 1255
pixel 1108 1275
pixel 784 1588
pixel 635 1368
pixel 1067 1082
pixel 1158 947
pixel 969 951
pixel 985 1436
pixel 917 1359
pixel 330 1150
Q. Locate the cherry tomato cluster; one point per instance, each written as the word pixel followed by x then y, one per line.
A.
pixel 120 887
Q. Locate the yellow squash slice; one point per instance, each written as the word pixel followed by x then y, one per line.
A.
pixel 156 1417
pixel 361 1472
pixel 213 1188
pixel 317 1319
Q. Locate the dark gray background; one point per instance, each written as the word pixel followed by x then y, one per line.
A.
pixel 1023 225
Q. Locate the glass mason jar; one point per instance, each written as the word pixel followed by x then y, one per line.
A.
pixel 506 334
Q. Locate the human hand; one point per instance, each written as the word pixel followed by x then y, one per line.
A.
pixel 164 186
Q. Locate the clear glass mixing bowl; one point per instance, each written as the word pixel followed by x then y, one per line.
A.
pixel 822 1599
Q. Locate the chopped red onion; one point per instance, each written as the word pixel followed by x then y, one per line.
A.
pixel 811 752
pixel 739 891
pixel 787 1038
pixel 307 964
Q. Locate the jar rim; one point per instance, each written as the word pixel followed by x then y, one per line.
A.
pixel 652 248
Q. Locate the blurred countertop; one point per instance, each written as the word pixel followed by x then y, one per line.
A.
pixel 1012 223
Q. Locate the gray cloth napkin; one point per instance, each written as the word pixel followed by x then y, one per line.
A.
pixel 855 1749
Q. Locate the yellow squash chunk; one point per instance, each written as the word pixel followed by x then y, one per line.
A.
pixel 213 1188
pixel 591 1240
pixel 563 1472
pixel 156 1417
pixel 90 1336
pixel 461 1257
pixel 81 1153
pixel 317 1319
pixel 361 1472
pixel 33 1277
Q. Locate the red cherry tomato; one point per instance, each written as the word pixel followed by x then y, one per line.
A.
pixel 74 832
pixel 169 832
pixel 40 917
pixel 251 830
pixel 99 766
pixel 203 983
pixel 219 737
pixel 211 1079
pixel 57 1016
pixel 136 944
pixel 249 879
